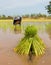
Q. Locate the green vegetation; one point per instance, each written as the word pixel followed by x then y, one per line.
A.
pixel 30 31
pixel 49 8
pixel 5 17
pixel 31 43
pixel 48 29
pixel 31 16
pixel 6 24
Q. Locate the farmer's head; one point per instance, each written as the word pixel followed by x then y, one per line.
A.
pixel 17 20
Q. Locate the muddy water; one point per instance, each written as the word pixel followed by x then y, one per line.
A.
pixel 46 59
pixel 9 40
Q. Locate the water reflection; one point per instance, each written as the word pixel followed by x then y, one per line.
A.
pixel 17 29
pixel 26 61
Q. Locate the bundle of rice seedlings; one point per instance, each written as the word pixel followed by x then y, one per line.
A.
pixel 31 43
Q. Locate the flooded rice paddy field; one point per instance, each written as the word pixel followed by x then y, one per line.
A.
pixel 8 40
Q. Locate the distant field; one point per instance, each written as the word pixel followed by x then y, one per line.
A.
pixel 36 20
pixel 5 24
pixel 28 20
pixel 8 23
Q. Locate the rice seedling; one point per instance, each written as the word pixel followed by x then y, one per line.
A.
pixel 48 29
pixel 31 43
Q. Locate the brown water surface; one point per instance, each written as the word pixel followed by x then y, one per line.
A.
pixel 9 40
